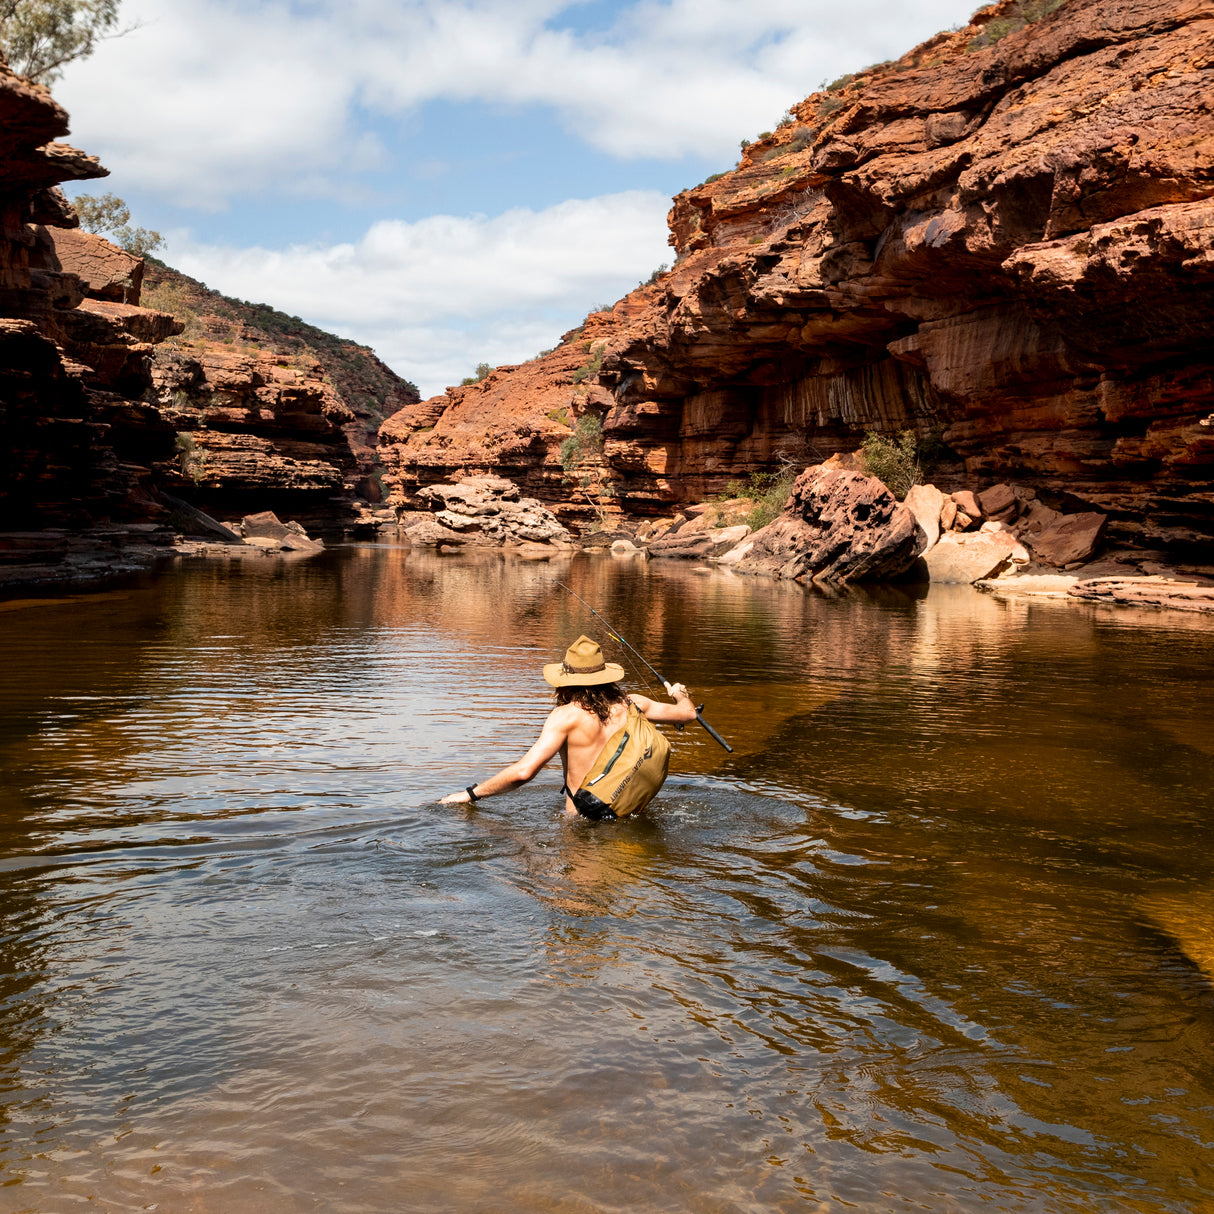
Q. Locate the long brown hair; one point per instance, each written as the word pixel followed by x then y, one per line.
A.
pixel 599 700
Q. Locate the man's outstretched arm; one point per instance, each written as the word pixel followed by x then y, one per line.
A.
pixel 681 711
pixel 552 737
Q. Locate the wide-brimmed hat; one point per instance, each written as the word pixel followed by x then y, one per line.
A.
pixel 583 666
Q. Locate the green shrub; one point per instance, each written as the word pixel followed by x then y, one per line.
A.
pixel 108 215
pixel 829 105
pixel 1022 14
pixel 653 278
pixel 584 443
pixel 769 491
pixel 802 137
pixel 482 373
pixel 592 367
pixel 744 144
pixel 841 82
pixel 766 491
pixel 711 178
pixel 894 462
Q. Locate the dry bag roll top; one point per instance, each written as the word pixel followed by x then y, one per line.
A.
pixel 628 772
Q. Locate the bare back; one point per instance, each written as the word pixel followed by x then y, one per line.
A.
pixel 584 741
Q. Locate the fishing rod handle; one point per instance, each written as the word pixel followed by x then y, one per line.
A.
pixel 716 737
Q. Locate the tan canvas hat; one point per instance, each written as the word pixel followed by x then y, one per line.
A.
pixel 583 666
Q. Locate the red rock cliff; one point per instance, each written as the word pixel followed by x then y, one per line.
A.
pixel 1004 239
pixel 76 442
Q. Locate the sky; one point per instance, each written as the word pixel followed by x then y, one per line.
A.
pixel 448 181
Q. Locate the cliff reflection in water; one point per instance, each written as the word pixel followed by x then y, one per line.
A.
pixel 932 936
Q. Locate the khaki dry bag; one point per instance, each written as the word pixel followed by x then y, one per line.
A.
pixel 628 772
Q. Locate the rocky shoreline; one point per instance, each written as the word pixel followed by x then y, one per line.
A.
pixel 869 537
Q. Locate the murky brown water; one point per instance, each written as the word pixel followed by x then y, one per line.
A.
pixel 931 939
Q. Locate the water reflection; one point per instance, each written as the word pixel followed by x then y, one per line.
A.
pixel 935 935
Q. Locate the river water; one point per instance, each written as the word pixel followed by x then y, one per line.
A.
pixel 932 938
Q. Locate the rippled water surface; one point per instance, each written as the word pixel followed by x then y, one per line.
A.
pixel 937 936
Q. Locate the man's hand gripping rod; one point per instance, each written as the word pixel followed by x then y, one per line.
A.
pixel 615 636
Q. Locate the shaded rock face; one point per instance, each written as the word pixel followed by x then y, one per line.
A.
pixel 77 442
pixel 838 527
pixel 1007 243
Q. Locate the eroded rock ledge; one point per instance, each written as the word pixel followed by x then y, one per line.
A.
pixel 1005 243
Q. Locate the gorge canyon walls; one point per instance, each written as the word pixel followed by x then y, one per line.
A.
pixel 105 405
pixel 1003 241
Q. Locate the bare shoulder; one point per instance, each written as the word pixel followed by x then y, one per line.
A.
pixel 565 717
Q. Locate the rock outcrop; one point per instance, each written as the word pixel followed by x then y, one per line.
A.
pixel 484 511
pixel 838 527
pixel 514 423
pixel 1003 240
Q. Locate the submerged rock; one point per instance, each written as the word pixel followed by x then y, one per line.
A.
pixel 1146 592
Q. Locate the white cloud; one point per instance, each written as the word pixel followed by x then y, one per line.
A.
pixel 209 99
pixel 438 296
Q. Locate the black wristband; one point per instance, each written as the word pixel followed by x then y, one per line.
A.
pixel 471 795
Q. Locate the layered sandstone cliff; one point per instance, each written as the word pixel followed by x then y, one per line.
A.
pixel 77 444
pixel 272 412
pixel 1003 240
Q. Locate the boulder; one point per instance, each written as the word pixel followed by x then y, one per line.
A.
pixel 431 534
pixel 700 543
pixel 967 503
pixel 838 527
pixel 1072 538
pixel 301 543
pixel 266 524
pixel 969 558
pixel 1000 503
pixel 730 537
pixel 948 514
pixel 685 545
pixel 489 510
pixel 926 503
pixel 1036 517
pixel 737 553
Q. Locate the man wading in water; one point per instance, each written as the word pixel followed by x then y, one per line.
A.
pixel 614 760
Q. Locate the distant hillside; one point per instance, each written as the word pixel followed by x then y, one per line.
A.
pixel 371 389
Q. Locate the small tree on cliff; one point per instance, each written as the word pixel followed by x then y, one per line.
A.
pixel 108 215
pixel 582 459
pixel 39 37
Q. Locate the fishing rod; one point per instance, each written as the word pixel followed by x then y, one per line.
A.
pixel 615 636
